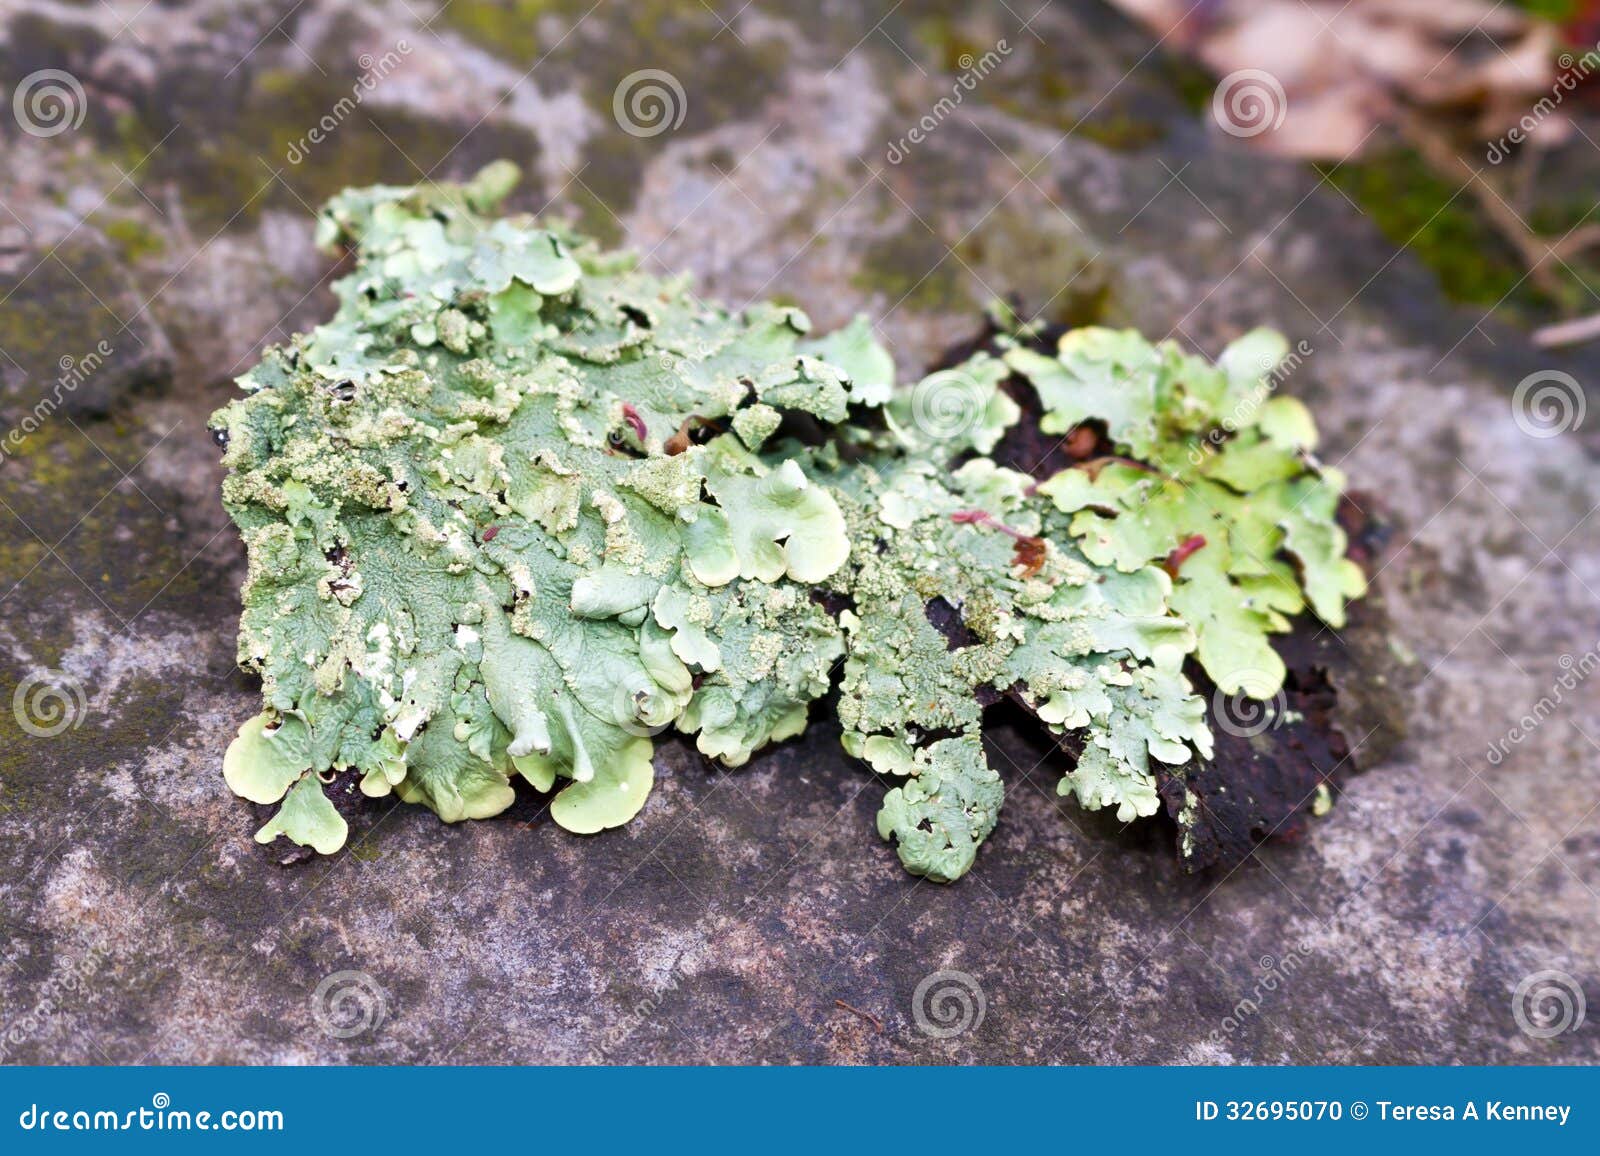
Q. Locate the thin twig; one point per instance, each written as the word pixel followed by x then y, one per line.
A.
pixel 1568 332
pixel 866 1015
pixel 1577 241
pixel 1442 157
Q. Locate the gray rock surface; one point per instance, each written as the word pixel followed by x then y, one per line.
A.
pixel 738 915
pixel 67 345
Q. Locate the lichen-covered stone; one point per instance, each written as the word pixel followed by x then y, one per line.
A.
pixel 519 507
pixel 740 905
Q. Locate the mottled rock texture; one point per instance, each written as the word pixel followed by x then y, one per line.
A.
pixel 730 919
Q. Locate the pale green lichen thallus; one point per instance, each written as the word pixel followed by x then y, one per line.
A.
pixel 520 508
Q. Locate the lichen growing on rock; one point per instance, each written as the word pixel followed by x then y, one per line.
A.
pixel 519 507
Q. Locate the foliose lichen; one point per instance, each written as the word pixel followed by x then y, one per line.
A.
pixel 519 508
